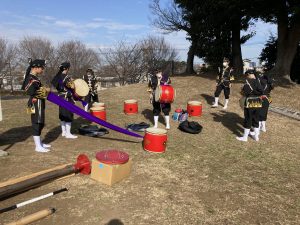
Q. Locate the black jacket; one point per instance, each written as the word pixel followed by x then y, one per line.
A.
pixel 252 88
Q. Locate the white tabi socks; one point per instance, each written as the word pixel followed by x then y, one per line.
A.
pixel 38 146
pixel 216 103
pixel 68 131
pixel 167 119
pixel 86 108
pixel 226 104
pixel 262 126
pixel 256 134
pixel 155 121
pixel 245 136
pixel 63 128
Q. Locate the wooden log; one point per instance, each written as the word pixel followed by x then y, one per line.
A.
pixel 25 185
pixel 19 179
pixel 33 217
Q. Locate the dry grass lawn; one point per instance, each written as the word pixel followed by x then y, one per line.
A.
pixel 208 178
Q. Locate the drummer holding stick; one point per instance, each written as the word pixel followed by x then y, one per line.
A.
pixel 63 83
pixel 156 80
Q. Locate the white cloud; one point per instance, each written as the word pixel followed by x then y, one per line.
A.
pixel 103 33
pixel 65 24
pixel 99 19
pixel 51 18
pixel 60 29
pixel 112 25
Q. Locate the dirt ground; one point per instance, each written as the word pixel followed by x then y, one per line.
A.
pixel 207 178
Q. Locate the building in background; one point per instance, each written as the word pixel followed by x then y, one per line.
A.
pixel 248 64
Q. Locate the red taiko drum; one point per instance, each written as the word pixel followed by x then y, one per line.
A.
pixel 194 108
pixel 99 112
pixel 165 94
pixel 155 140
pixel 130 107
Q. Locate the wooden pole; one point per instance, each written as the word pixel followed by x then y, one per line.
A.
pixel 33 217
pixel 83 165
pixel 25 185
pixel 19 179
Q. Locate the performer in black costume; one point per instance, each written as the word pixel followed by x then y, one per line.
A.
pixel 223 83
pixel 159 78
pixel 36 103
pixel 65 86
pixel 267 86
pixel 252 92
pixel 92 96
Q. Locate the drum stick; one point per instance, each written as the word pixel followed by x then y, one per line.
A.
pixel 33 217
pixel 32 200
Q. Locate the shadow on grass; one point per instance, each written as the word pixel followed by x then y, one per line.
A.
pixel 55 132
pixel 211 99
pixel 230 120
pixel 148 114
pixel 15 135
pixel 208 98
pixel 115 222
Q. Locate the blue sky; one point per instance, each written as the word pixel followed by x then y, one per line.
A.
pixel 98 23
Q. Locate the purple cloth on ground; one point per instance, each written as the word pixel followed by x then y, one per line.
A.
pixel 80 112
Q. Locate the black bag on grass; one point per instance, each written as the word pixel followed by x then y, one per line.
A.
pixel 139 127
pixel 92 131
pixel 190 127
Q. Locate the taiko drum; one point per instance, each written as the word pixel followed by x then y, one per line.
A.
pixel 194 108
pixel 81 88
pixel 99 104
pixel 155 140
pixel 130 107
pixel 165 94
pixel 98 112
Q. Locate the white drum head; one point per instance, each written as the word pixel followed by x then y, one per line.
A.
pixel 194 103
pixel 81 87
pixel 130 101
pixel 157 131
pixel 97 108
pixel 98 104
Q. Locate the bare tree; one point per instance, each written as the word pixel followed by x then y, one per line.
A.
pixel 156 52
pixel 38 48
pixel 80 57
pixel 35 48
pixel 131 63
pixel 8 60
pixel 125 62
pixel 171 19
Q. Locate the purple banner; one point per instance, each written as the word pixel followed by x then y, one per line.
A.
pixel 80 112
